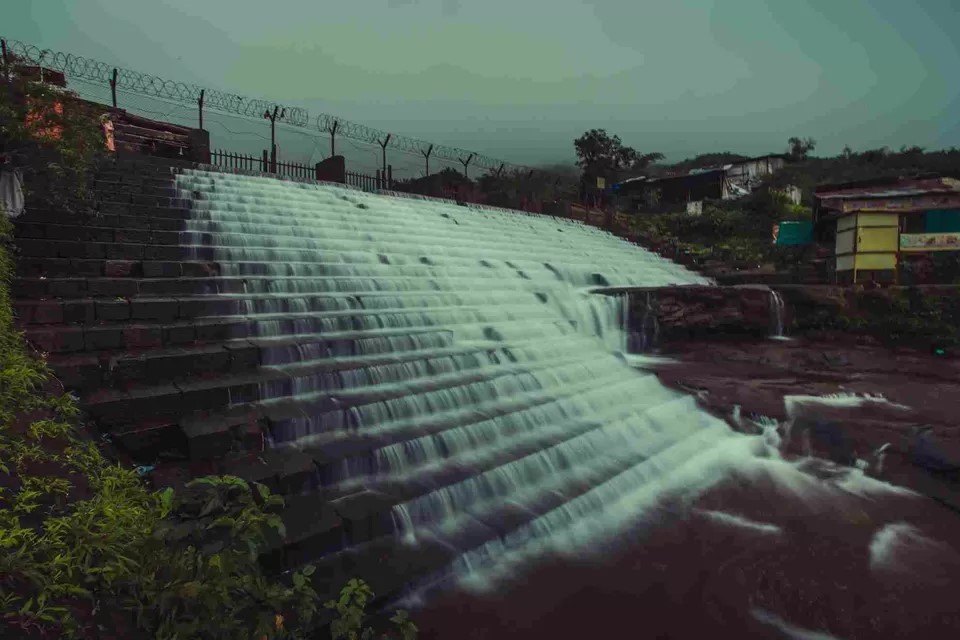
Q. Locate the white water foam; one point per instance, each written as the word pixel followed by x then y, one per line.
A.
pixel 841 400
pixel 734 520
pixel 896 545
pixel 791 631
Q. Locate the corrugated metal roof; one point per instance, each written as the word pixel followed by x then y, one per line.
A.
pixel 900 189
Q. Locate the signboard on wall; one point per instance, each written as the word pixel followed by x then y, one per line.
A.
pixel 793 233
pixel 601 183
pixel 930 241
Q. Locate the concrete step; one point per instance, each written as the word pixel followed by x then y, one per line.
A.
pixel 117 369
pixel 88 232
pixel 373 548
pixel 115 221
pixel 275 385
pixel 148 211
pixel 319 307
pixel 109 250
pixel 267 394
pixel 111 287
pixel 287 472
pixel 52 267
pixel 365 522
pixel 114 179
pixel 152 187
pixel 134 164
pixel 62 338
pixel 128 285
pixel 139 199
pixel 342 455
pixel 335 450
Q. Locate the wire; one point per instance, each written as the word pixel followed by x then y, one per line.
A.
pixel 78 68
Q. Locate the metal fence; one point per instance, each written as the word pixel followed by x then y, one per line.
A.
pixel 364 181
pixel 231 160
pixel 193 105
pixel 248 162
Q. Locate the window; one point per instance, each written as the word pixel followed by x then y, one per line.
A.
pixel 913 223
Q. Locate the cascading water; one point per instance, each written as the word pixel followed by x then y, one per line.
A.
pixel 454 339
pixel 649 324
pixel 776 314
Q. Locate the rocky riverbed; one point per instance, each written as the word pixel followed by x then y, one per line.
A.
pixel 852 533
pixel 893 410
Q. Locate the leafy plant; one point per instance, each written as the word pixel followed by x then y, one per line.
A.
pixel 350 623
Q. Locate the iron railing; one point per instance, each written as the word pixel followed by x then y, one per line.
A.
pixel 262 163
pixel 231 160
pixel 364 181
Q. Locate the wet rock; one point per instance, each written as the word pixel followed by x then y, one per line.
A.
pixel 928 453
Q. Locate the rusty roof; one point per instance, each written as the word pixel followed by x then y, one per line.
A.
pixel 892 189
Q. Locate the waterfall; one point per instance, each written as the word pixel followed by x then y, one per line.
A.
pixel 460 346
pixel 776 314
pixel 649 324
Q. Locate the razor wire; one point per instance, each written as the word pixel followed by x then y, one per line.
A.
pixel 133 82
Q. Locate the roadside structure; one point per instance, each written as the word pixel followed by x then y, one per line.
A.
pixel 889 230
pixel 676 192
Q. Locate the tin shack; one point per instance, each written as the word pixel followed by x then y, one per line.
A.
pixel 887 230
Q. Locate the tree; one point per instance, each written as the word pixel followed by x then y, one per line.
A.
pixel 600 155
pixel 800 148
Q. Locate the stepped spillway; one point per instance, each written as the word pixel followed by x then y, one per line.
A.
pixel 459 351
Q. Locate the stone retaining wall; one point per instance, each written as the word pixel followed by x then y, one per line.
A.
pixel 908 316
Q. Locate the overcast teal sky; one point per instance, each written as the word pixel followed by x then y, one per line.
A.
pixel 519 79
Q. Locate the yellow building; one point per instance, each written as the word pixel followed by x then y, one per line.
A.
pixel 879 227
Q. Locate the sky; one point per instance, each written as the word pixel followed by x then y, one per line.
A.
pixel 520 79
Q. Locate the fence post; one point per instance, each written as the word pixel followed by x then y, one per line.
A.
pixel 378 179
pixel 200 102
pixel 389 176
pixel 113 87
pixel 466 164
pixel 333 137
pixel 426 155
pixel 265 161
pixel 383 146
